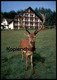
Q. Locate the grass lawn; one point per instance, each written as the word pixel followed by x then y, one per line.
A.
pixel 44 59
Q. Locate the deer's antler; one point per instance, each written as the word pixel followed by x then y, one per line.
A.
pixel 44 17
pixel 37 30
pixel 21 22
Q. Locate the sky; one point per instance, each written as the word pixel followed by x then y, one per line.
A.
pixel 7 6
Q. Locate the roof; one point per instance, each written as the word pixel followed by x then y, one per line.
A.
pixel 34 12
pixel 26 11
pixel 9 20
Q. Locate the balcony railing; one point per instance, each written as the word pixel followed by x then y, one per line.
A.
pixel 30 17
pixel 32 21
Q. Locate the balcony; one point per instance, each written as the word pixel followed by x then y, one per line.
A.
pixel 30 17
pixel 32 21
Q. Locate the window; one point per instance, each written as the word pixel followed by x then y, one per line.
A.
pixel 15 19
pixel 4 20
pixel 39 20
pixel 26 19
pixel 35 16
pixel 36 19
pixel 4 24
pixel 16 24
pixel 36 24
pixel 31 15
pixel 40 24
pixel 31 19
pixel 30 11
pixel 31 24
pixel 26 15
pixel 18 19
pixel 23 14
pixel 26 24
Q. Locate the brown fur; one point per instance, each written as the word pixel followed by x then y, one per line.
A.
pixel 25 43
pixel 29 43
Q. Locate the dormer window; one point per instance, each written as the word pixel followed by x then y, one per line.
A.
pixel 30 11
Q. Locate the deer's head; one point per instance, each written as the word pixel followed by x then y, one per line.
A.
pixel 33 35
pixel 31 38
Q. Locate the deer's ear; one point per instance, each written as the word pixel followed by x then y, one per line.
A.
pixel 26 34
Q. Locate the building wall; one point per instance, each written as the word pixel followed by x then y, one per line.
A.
pixel 11 25
pixel 28 20
pixel 5 23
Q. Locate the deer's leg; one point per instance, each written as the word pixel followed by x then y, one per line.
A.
pixel 32 62
pixel 26 62
pixel 22 56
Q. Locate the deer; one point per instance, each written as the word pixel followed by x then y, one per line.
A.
pixel 28 44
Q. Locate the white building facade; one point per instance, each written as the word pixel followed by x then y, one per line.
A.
pixel 7 24
pixel 30 19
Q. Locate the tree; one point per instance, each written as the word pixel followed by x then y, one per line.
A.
pixel 5 14
pixel 18 12
pixel 1 16
pixel 50 16
pixel 36 10
pixel 10 14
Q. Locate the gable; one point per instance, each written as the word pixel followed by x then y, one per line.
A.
pixel 31 10
pixel 4 20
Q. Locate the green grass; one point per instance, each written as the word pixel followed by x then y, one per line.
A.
pixel 44 59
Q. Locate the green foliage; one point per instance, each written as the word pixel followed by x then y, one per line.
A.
pixel 1 16
pixel 50 16
pixel 10 14
pixel 44 58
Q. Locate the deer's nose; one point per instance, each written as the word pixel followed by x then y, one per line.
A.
pixel 31 42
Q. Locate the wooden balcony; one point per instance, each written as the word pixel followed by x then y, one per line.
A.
pixel 30 17
pixel 32 21
pixel 31 26
pixel 26 26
